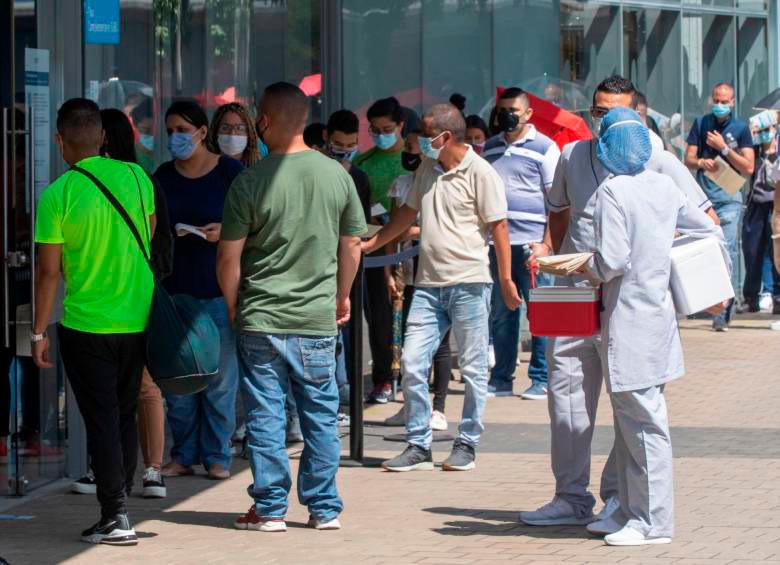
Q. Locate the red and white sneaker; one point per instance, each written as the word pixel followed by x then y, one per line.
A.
pixel 251 521
pixel 317 524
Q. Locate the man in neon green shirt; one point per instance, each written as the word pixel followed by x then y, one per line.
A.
pixel 107 299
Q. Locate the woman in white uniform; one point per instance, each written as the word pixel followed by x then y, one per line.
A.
pixel 636 214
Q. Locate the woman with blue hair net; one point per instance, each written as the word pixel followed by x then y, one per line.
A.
pixel 636 214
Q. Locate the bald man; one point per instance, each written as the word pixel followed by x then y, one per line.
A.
pixel 720 134
pixel 289 252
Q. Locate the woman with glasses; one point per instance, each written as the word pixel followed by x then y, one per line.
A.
pixel 233 133
pixel 196 183
pixel 383 164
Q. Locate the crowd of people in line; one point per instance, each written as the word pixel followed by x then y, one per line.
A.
pixel 264 220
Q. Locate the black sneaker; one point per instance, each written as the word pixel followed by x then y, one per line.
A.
pixel 154 484
pixel 775 306
pixel 85 485
pixel 414 458
pixel 749 306
pixel 111 531
pixel 461 459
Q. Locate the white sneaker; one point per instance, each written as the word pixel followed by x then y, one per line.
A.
pixel 398 419
pixel 765 302
pixel 491 357
pixel 610 506
pixel 438 421
pixel 333 524
pixel 775 326
pixel 629 536
pixel 558 512
pixel 604 527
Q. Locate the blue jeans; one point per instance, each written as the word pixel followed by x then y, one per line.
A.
pixel 505 324
pixel 203 423
pixel 729 214
pixel 273 366
pixel 466 309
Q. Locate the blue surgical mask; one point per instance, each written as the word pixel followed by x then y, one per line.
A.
pixel 721 110
pixel 341 155
pixel 765 136
pixel 384 140
pixel 426 146
pixel 146 141
pixel 597 126
pixel 262 147
pixel 181 145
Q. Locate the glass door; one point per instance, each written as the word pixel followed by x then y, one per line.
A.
pixel 32 402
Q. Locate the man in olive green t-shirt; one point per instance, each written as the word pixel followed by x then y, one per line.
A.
pixel 108 293
pixel 288 254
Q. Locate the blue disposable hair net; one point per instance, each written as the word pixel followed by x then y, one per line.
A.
pixel 624 145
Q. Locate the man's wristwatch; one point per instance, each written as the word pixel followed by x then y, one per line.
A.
pixel 725 151
pixel 35 338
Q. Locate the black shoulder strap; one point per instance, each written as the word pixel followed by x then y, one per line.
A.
pixel 117 206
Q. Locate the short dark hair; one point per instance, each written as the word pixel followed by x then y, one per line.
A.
pixel 515 92
pixel 344 121
pixel 386 108
pixel 287 102
pixel 145 109
pixel 476 122
pixel 616 84
pixel 640 98
pixel 119 141
pixel 312 135
pixel 190 111
pixel 459 101
pixel 79 123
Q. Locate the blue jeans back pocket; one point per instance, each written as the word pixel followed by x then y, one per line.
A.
pixel 318 355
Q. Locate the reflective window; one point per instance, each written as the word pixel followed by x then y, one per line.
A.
pixel 709 57
pixel 753 64
pixel 651 59
pixel 710 3
pixel 753 4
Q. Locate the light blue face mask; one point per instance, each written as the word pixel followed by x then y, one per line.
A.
pixel 426 146
pixel 146 141
pixel 181 145
pixel 721 110
pixel 262 147
pixel 765 136
pixel 384 140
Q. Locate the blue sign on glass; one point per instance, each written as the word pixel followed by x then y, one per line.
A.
pixel 101 22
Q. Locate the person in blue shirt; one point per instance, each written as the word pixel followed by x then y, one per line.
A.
pixel 195 184
pixel 719 133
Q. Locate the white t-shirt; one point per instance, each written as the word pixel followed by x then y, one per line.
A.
pixel 456 208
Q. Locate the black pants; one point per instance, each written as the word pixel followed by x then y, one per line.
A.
pixel 105 374
pixel 442 359
pixel 379 315
pixel 756 241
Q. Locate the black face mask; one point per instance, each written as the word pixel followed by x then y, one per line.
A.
pixel 507 121
pixel 410 161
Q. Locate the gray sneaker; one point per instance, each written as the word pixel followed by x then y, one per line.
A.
pixel 414 458
pixel 461 459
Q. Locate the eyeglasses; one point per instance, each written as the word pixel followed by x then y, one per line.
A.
pixel 229 129
pixel 598 111
pixel 386 130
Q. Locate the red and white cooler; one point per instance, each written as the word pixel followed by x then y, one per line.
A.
pixel 564 311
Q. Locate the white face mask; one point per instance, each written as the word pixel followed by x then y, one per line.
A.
pixel 232 144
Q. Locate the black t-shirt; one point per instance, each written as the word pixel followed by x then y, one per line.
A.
pixel 363 185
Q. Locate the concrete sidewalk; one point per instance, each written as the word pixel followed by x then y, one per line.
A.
pixel 725 427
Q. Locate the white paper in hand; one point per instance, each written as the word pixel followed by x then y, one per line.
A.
pixel 186 229
pixel 377 210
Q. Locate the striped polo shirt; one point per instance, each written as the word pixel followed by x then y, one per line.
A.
pixel 526 167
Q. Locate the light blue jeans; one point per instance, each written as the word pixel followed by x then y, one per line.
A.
pixel 466 309
pixel 203 423
pixel 273 366
pixel 729 214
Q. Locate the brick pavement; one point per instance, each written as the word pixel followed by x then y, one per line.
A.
pixel 724 413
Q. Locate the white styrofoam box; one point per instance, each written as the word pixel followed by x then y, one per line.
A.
pixel 700 278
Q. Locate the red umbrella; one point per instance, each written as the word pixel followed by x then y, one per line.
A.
pixel 311 85
pixel 561 126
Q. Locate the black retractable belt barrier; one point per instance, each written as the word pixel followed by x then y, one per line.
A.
pixel 355 370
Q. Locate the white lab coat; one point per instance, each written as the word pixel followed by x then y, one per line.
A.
pixel 634 221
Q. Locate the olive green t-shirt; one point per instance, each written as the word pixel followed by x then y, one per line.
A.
pixel 108 285
pixel 382 168
pixel 291 209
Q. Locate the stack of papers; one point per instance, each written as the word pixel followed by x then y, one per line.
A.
pixel 186 229
pixel 726 177
pixel 563 265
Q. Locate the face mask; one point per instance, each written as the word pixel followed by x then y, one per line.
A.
pixel 262 147
pixel 146 141
pixel 426 146
pixel 384 140
pixel 478 148
pixel 597 126
pixel 181 145
pixel 721 110
pixel 232 144
pixel 766 136
pixel 410 161
pixel 508 121
pixel 341 155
